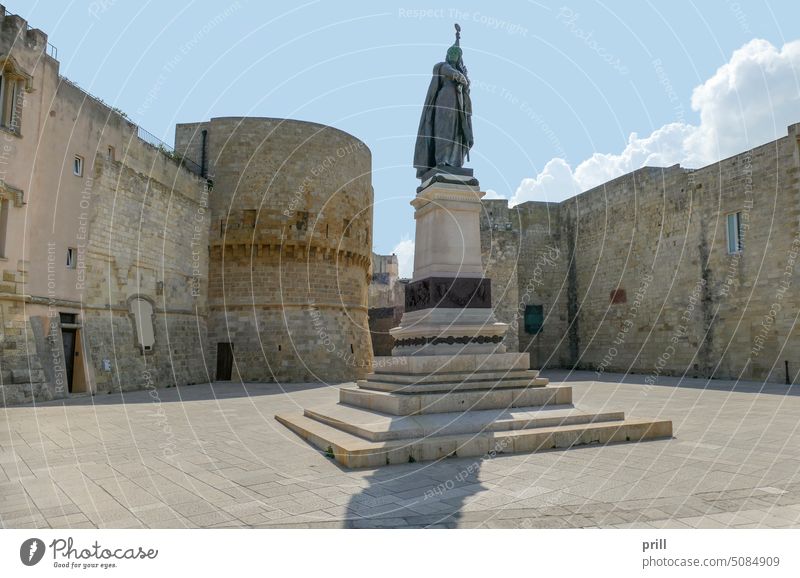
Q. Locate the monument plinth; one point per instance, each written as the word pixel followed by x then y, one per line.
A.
pixel 450 388
pixel 448 302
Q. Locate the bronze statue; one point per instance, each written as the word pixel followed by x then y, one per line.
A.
pixel 445 128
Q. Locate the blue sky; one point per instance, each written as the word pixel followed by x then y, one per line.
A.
pixel 554 84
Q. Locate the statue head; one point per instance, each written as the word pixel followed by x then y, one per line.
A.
pixel 453 55
pixel 454 52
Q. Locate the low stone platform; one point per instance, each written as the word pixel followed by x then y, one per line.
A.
pixel 434 407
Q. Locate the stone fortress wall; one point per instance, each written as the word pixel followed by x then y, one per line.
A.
pixel 97 219
pixel 291 231
pixel 127 271
pixel 636 276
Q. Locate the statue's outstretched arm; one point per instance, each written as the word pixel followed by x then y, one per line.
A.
pixel 451 73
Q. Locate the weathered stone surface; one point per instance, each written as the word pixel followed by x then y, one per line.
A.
pixel 290 240
pixel 635 275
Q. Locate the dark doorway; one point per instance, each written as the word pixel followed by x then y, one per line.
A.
pixel 224 361
pixel 68 337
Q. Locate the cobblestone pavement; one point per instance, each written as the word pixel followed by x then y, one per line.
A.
pixel 202 456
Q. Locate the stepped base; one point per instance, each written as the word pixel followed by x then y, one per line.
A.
pixel 445 406
pixel 356 452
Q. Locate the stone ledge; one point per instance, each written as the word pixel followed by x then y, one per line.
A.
pixel 456 401
pixel 488 384
pixel 354 452
pixel 379 427
pixel 440 364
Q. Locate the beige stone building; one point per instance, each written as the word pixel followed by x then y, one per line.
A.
pixel 386 301
pixel 96 229
pixel 125 265
pixel 663 271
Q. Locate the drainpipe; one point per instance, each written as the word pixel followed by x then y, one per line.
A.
pixel 203 168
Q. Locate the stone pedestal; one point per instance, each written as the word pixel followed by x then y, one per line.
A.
pixel 448 305
pixel 450 388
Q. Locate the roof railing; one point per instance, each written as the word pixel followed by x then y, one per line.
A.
pixel 142 134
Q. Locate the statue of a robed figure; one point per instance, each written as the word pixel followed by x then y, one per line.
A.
pixel 445 128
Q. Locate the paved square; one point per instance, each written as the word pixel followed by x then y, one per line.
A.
pixel 203 456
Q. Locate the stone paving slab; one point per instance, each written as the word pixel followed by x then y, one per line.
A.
pixel 213 456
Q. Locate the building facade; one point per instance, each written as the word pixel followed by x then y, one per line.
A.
pixel 125 265
pixel 662 271
pixel 386 302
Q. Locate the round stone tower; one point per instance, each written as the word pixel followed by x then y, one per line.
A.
pixel 290 247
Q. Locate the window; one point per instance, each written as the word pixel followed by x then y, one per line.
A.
pixel 3 226
pixel 69 318
pixel 346 227
pixel 142 313
pixel 77 166
pixel 110 153
pixel 735 241
pixel 71 257
pixel 11 99
pixel 534 319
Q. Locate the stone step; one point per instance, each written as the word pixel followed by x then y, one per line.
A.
pixel 374 426
pixel 452 377
pixel 457 401
pixel 381 385
pixel 355 452
pixel 465 363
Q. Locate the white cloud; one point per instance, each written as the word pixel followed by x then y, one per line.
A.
pixel 748 101
pixel 405 257
pixel 554 183
pixel 492 194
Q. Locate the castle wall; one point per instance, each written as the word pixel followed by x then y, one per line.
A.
pixel 500 252
pixel 639 278
pixel 291 232
pixel 131 221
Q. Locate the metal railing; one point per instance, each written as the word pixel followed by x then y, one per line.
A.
pixel 142 134
pixel 156 142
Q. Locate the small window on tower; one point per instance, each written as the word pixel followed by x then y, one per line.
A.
pixel 71 257
pixel 110 155
pixel 77 166
pixel 346 227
